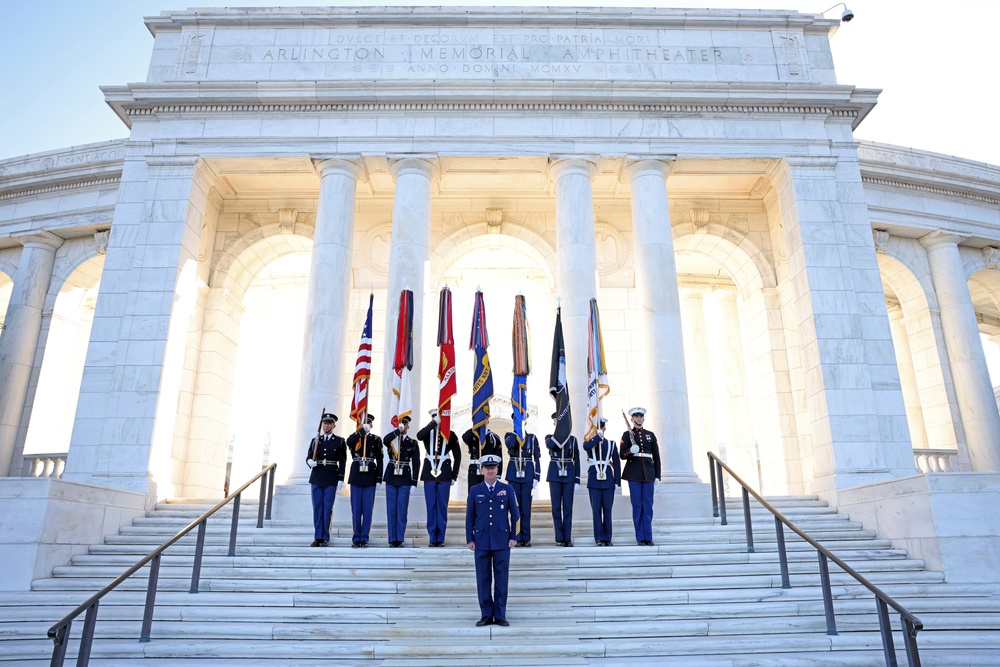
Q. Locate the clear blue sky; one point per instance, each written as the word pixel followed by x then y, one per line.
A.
pixel 935 61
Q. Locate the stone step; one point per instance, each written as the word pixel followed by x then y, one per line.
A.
pixel 535 569
pixel 507 646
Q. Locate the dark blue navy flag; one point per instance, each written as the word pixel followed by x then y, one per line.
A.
pixel 482 381
pixel 557 385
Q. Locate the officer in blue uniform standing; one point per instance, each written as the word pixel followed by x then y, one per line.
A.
pixel 366 476
pixel 400 477
pixel 603 475
pixel 491 523
pixel 524 468
pixel 641 454
pixel 563 478
pixel 327 457
pixel 442 461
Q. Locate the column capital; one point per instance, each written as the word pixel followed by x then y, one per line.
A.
pixel 40 238
pixel 560 165
pixel 348 165
pixel 636 164
pixel 941 237
pixel 427 164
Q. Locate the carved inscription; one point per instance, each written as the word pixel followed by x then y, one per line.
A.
pixel 474 53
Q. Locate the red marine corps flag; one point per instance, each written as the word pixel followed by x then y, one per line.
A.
pixel 363 370
pixel 401 404
pixel 448 385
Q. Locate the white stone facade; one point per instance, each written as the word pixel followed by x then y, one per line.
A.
pixel 695 171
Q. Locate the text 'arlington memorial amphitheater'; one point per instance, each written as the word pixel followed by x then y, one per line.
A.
pixel 180 306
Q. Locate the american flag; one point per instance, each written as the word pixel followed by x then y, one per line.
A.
pixel 363 370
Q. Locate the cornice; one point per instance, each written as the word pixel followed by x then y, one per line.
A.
pixel 467 17
pixel 908 168
pixel 77 185
pixel 902 185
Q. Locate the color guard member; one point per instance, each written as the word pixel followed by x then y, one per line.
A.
pixel 366 476
pixel 603 475
pixel 327 457
pixel 491 523
pixel 524 468
pixel 641 454
pixel 493 446
pixel 563 478
pixel 399 476
pixel 440 470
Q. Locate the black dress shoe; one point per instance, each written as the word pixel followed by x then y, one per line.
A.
pixel 609 544
pixel 502 622
pixel 323 543
pixel 315 543
pixel 527 544
pixel 355 545
pixel 568 543
pixel 485 620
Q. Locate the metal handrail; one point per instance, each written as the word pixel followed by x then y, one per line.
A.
pixel 911 625
pixel 59 632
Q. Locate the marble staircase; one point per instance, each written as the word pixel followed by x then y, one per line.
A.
pixel 696 598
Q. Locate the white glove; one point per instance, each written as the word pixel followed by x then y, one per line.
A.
pixel 340 485
pixel 311 463
pixel 600 433
pixel 576 487
pixel 634 449
pixel 534 484
pixel 367 427
pixel 378 486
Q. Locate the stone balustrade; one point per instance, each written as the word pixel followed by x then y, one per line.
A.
pixel 43 465
pixel 936 460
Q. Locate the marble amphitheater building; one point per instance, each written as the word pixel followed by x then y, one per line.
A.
pixel 178 306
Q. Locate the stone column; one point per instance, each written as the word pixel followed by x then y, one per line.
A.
pixel 696 354
pixel 976 402
pixel 908 378
pixel 727 338
pixel 409 267
pixel 327 304
pixel 660 316
pixel 22 326
pixel 577 279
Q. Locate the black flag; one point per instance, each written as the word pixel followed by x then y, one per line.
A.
pixel 557 385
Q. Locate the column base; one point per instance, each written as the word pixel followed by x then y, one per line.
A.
pixel 683 498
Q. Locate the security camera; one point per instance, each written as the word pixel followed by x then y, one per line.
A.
pixel 847 15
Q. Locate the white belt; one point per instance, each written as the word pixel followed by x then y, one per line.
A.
pixel 592 463
pixel 444 457
pixel 643 455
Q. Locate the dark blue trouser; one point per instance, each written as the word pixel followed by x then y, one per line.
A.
pixel 362 503
pixel 492 569
pixel 522 491
pixel 397 506
pixel 322 498
pixel 642 509
pixel 601 501
pixel 436 494
pixel 562 510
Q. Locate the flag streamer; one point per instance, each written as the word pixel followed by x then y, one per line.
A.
pixel 522 368
pixel 363 369
pixel 597 372
pixel 447 384
pixel 482 379
pixel 401 404
pixel 557 385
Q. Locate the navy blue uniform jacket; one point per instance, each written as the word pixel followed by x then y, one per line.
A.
pixel 491 519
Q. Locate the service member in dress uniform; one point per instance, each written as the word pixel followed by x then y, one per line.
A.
pixel 366 476
pixel 440 470
pixel 641 454
pixel 563 478
pixel 493 446
pixel 327 456
pixel 399 477
pixel 491 523
pixel 524 469
pixel 603 475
